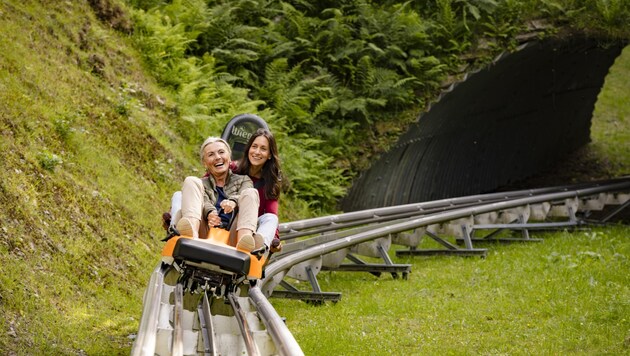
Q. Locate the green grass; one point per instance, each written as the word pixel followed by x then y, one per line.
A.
pixel 609 132
pixel 569 294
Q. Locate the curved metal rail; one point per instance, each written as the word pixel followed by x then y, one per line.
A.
pixel 243 325
pixel 311 239
pixel 452 210
pixel 305 227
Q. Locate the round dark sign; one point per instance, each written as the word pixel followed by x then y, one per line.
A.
pixel 238 131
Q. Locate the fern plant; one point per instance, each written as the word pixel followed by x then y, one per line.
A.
pixel 336 73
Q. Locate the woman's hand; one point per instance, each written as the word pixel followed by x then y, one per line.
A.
pixel 214 219
pixel 228 205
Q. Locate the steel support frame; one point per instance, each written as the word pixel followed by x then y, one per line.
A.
pixel 520 224
pixel 450 249
pixel 314 297
pixel 376 269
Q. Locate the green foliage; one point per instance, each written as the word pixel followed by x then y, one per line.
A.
pixel 333 73
pixel 63 127
pixel 164 40
pixel 340 63
pixel 49 161
pixel 204 95
pixel 312 173
pixel 608 16
pixel 146 4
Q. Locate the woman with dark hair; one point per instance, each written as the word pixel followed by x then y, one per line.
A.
pixel 261 163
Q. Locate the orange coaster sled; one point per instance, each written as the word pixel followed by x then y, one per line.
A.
pixel 214 253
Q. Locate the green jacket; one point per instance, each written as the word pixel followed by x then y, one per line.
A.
pixel 234 185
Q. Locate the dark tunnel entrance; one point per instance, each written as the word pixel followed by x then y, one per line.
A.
pixel 509 121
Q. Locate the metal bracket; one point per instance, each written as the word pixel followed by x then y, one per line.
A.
pixel 291 292
pixel 375 269
pixel 450 248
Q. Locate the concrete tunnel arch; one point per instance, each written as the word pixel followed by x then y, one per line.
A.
pixel 513 119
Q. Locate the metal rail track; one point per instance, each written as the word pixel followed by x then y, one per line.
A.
pixel 176 321
pixel 309 242
pixel 299 228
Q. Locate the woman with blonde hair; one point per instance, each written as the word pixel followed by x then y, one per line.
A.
pixel 212 200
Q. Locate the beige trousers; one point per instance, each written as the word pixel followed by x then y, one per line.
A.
pixel 192 207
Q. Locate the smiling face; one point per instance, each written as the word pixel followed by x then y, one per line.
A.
pixel 216 159
pixel 259 152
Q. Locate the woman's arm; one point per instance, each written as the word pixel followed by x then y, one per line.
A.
pixel 238 184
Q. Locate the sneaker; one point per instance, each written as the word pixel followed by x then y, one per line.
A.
pixel 276 245
pixel 185 227
pixel 166 221
pixel 246 243
pixel 259 241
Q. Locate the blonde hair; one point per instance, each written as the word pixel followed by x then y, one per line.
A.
pixel 211 140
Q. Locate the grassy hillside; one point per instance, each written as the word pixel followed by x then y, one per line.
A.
pixel 92 149
pixel 90 156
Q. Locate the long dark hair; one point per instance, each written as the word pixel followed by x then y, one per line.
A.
pixel 271 172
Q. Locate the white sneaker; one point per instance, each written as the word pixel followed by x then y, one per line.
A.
pixel 246 243
pixel 259 241
pixel 185 227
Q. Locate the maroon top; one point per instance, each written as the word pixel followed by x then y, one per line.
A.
pixel 266 205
